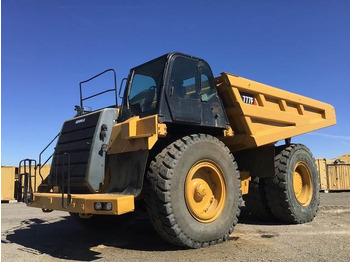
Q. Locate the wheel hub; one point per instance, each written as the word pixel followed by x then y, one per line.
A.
pixel 205 191
pixel 200 191
pixel 297 183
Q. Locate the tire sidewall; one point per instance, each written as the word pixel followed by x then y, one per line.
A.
pixel 194 229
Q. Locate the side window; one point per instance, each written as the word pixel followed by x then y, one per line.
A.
pixel 208 89
pixel 143 95
pixel 141 83
pixel 183 80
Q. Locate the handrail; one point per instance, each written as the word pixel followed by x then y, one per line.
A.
pixel 69 197
pixel 100 93
pixel 39 165
pixel 25 187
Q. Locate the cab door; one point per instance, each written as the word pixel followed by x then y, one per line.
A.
pixel 213 112
pixel 183 90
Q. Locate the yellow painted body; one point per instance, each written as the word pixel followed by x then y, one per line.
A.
pixel 276 114
pixel 135 134
pixel 245 178
pixel 84 203
pixel 131 135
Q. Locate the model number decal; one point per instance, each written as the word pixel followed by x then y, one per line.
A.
pixel 248 99
pixel 80 121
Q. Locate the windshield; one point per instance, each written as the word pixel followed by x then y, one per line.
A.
pixel 145 86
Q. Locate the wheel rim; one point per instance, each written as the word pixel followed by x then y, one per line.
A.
pixel 205 191
pixel 302 183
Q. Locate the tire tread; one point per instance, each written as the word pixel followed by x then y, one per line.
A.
pixel 158 195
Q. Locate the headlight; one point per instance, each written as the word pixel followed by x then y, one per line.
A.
pixel 98 205
pixel 107 206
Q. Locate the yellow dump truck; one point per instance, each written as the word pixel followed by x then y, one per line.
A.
pixel 188 145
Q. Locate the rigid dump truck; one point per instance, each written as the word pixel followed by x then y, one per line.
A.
pixel 189 146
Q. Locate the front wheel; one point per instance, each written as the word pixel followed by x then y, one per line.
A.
pixel 193 192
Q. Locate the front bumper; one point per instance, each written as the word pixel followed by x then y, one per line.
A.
pixel 84 203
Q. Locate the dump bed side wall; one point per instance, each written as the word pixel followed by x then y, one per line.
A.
pixel 272 115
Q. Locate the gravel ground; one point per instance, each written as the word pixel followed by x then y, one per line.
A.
pixel 30 235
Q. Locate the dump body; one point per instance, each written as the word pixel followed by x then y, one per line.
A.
pixel 260 114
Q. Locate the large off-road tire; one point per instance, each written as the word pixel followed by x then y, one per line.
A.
pixel 256 201
pixel 193 192
pixel 293 193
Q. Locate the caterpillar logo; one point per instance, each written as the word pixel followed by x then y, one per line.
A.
pixel 80 121
pixel 248 99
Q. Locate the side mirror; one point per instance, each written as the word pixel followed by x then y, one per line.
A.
pixel 121 87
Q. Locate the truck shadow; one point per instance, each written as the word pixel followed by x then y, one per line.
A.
pixel 249 219
pixel 65 239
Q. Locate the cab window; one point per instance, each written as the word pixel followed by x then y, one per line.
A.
pixel 183 79
pixel 208 89
pixel 145 85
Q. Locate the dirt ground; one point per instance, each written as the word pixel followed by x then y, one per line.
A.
pixel 31 235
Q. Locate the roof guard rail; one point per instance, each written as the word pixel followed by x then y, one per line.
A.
pixel 82 99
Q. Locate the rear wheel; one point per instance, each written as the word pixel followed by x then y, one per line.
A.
pixel 194 192
pixel 293 194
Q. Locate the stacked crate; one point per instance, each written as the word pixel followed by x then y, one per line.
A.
pixel 9 178
pixel 334 173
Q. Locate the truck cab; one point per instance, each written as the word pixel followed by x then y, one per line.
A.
pixel 179 88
